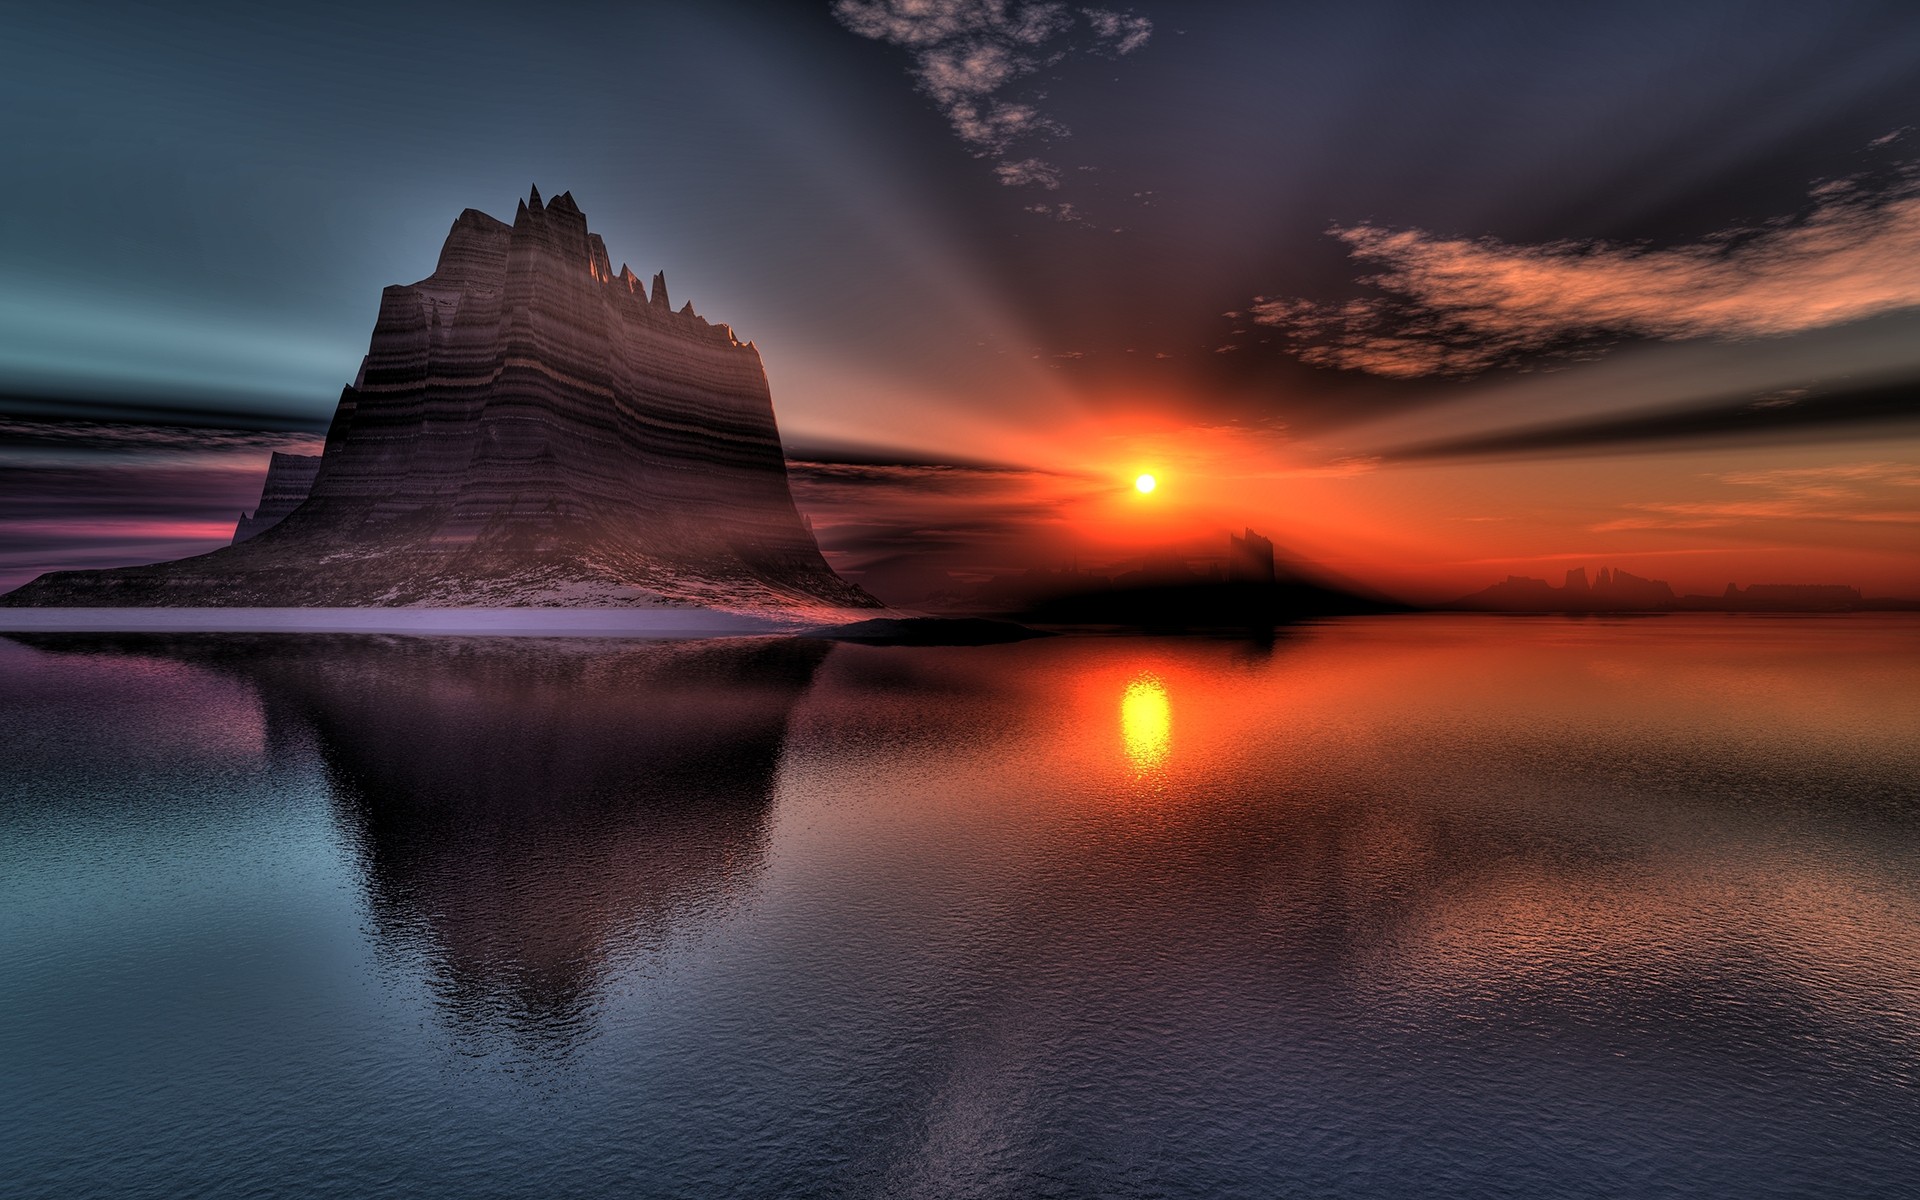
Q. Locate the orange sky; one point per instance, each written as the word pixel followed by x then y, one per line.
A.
pixel 1698 517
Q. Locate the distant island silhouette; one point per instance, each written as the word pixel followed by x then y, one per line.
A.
pixel 1249 590
pixel 529 428
pixel 1614 590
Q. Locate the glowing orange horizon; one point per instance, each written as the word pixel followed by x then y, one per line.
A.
pixel 1697 518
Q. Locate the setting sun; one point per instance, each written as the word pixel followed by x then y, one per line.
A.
pixel 1146 483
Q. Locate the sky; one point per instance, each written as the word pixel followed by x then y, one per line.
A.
pixel 1427 294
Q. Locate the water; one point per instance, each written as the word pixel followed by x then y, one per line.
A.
pixel 1395 907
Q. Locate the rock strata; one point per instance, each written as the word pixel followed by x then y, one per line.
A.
pixel 529 427
pixel 289 481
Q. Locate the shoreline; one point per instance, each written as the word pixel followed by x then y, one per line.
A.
pixel 489 622
pixel 664 624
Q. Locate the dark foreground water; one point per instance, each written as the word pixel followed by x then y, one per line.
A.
pixel 1390 908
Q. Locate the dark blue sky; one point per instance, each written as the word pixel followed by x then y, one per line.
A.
pixel 204 201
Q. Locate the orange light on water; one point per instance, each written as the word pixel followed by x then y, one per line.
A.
pixel 1146 722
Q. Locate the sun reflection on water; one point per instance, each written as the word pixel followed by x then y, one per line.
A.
pixel 1146 722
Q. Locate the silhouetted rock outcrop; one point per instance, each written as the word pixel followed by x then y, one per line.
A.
pixel 289 481
pixel 529 427
pixel 1249 558
pixel 1614 590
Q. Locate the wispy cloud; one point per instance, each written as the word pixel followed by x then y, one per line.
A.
pixel 1029 172
pixel 1862 493
pixel 1790 414
pixel 1453 306
pixel 25 439
pixel 918 526
pixel 910 524
pixel 1837 479
pixel 969 55
pixel 1064 211
pixel 1122 31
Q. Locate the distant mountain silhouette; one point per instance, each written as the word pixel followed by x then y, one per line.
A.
pixel 1610 591
pixel 1614 590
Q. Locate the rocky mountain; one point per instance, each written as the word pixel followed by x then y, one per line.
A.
pixel 288 484
pixel 530 427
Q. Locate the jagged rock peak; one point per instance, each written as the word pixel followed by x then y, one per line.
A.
pixel 599 265
pixel 474 253
pixel 478 245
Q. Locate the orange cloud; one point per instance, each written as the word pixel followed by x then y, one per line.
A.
pixel 1454 306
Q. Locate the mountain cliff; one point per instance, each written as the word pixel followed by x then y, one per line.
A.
pixel 529 427
pixel 289 481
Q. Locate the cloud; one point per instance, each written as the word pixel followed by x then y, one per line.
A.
pixel 905 522
pixel 1795 414
pixel 1064 211
pixel 1121 32
pixel 832 453
pixel 37 438
pixel 952 74
pixel 1862 493
pixel 1833 480
pixel 999 124
pixel 1029 172
pixel 1452 306
pixel 926 23
pixel 967 53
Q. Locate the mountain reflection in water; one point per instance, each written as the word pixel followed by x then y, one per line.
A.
pixel 520 808
pixel 1401 906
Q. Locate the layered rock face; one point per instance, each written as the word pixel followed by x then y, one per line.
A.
pixel 529 427
pixel 289 481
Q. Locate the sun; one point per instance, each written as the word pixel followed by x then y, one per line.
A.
pixel 1146 483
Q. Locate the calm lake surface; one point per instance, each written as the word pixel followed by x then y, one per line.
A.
pixel 1395 907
